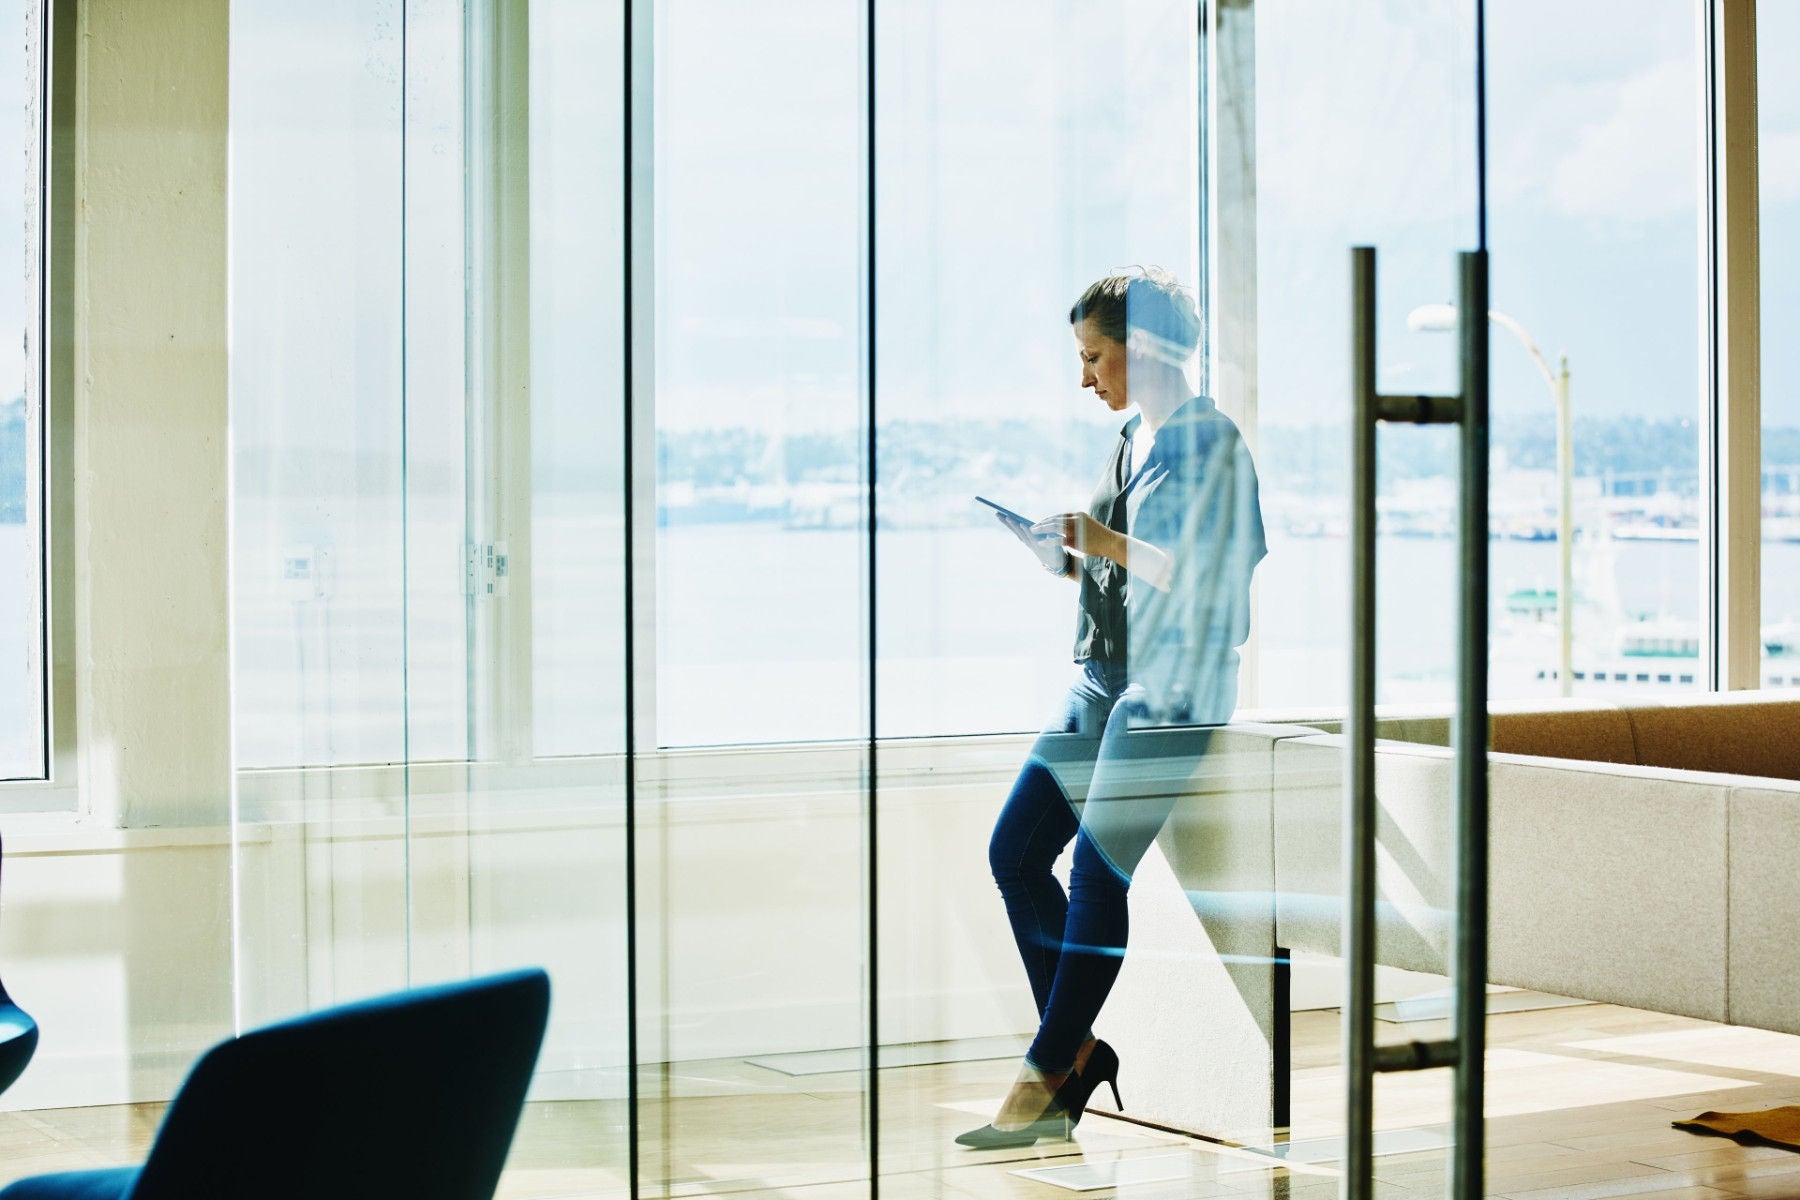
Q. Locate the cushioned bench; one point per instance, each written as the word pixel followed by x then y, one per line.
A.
pixel 1641 854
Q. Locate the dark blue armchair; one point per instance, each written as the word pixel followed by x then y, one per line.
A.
pixel 18 1035
pixel 414 1094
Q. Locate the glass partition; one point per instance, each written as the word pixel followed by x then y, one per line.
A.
pixel 752 766
pixel 531 851
pixel 1109 254
pixel 319 503
pixel 429 445
pixel 1323 154
pixel 1025 152
pixel 1245 158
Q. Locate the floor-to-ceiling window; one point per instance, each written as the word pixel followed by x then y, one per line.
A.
pixel 1597 214
pixel 23 711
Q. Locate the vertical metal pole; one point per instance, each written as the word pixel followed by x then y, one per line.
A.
pixel 628 382
pixel 649 863
pixel 1471 739
pixel 1565 535
pixel 1359 815
pixel 872 792
pixel 1281 1044
pixel 57 295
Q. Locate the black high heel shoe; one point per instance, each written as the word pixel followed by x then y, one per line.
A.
pixel 1102 1067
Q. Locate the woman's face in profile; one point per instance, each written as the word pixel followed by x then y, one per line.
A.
pixel 1102 365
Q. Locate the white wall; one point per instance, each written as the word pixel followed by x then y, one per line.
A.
pixel 752 926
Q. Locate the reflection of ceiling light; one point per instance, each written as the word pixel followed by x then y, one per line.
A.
pixel 1432 318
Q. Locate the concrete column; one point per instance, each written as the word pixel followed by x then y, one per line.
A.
pixel 150 411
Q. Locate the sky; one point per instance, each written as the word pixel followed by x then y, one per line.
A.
pixel 1023 148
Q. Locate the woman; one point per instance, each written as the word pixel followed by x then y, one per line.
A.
pixel 1163 558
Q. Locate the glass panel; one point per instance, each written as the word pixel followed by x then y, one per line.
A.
pixel 577 413
pixel 451 238
pixel 1596 209
pixel 444 357
pixel 1086 137
pixel 1388 167
pixel 759 208
pixel 458 502
pixel 316 188
pixel 533 870
pixel 1336 156
pixel 753 909
pixel 1077 129
pixel 1778 143
pixel 22 713
pixel 979 391
pixel 316 383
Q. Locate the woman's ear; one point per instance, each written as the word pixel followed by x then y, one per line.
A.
pixel 1137 342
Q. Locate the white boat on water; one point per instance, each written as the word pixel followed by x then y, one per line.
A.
pixel 1615 651
pixel 1648 654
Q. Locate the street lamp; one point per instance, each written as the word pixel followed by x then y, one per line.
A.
pixel 1442 318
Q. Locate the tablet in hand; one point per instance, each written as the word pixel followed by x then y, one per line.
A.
pixel 1011 517
pixel 1047 547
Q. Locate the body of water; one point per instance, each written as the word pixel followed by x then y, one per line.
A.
pixel 760 633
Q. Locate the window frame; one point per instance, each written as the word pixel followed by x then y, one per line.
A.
pixel 52 351
pixel 1731 348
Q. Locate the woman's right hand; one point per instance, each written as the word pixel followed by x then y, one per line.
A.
pixel 1081 533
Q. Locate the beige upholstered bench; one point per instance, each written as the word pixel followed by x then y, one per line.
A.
pixel 1725 770
pixel 1642 854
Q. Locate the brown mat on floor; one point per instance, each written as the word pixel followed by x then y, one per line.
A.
pixel 1771 1127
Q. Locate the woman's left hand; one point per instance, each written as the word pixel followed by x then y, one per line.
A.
pixel 1080 532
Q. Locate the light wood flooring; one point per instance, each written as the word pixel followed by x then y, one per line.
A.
pixel 1579 1105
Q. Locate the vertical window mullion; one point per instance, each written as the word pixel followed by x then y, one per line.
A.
pixel 497 414
pixel 1732 359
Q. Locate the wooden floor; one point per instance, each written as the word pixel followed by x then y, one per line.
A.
pixel 1579 1105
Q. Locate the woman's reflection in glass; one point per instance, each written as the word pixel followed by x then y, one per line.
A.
pixel 1162 558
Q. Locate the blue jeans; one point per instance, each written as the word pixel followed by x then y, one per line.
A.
pixel 1100 776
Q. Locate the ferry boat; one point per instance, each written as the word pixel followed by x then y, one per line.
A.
pixel 1652 653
